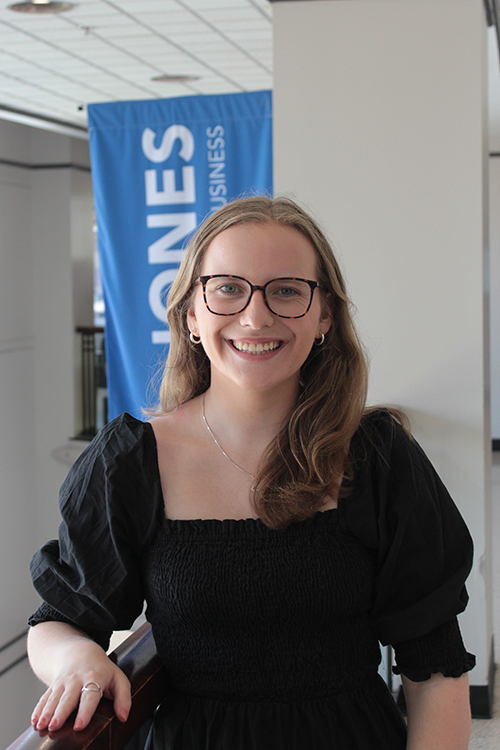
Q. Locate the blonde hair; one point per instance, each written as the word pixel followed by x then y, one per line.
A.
pixel 306 459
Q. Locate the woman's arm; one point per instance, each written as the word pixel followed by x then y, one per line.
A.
pixel 438 713
pixel 66 660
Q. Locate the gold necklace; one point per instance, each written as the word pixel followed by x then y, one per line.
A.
pixel 219 446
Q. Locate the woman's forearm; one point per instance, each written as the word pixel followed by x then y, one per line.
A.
pixel 438 713
pixel 49 644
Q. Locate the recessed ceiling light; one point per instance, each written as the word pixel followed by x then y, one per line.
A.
pixel 41 6
pixel 175 79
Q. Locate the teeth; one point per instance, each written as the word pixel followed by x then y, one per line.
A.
pixel 256 348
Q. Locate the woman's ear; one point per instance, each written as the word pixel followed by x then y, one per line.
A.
pixel 325 321
pixel 191 318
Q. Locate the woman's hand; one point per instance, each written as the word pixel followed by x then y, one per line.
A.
pixel 67 660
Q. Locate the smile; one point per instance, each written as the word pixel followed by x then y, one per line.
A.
pixel 256 348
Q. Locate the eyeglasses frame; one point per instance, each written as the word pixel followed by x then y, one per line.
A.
pixel 254 288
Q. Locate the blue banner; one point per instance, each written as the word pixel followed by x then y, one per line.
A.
pixel 159 167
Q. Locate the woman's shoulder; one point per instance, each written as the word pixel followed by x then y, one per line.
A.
pixel 125 446
pixel 116 479
pixel 381 429
pixel 121 433
pixel 123 438
pixel 385 418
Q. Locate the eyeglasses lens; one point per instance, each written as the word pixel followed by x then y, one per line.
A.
pixel 226 295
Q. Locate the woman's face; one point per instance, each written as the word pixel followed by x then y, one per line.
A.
pixel 258 253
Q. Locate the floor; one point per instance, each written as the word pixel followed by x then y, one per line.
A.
pixel 19 689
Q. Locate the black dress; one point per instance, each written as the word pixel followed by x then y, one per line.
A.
pixel 270 638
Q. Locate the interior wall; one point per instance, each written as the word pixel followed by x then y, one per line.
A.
pixel 380 123
pixel 493 277
pixel 46 246
pixel 61 225
pixel 494 286
pixel 18 509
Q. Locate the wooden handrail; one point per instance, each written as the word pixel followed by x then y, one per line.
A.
pixel 137 657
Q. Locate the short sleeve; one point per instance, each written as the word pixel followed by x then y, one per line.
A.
pixel 111 504
pixel 399 508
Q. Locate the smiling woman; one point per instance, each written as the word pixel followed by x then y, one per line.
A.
pixel 276 527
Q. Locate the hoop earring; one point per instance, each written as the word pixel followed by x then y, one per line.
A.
pixel 194 339
pixel 321 340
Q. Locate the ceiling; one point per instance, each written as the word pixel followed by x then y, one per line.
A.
pixel 54 64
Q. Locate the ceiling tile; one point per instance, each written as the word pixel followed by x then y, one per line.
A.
pixel 107 50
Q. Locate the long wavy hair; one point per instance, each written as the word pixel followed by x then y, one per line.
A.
pixel 307 458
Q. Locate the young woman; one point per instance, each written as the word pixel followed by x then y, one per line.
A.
pixel 277 529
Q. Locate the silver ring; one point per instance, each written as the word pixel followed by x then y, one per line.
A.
pixel 96 689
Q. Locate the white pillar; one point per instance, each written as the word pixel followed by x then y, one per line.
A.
pixel 62 238
pixel 380 129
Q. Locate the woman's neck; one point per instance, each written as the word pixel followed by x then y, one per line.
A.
pixel 248 420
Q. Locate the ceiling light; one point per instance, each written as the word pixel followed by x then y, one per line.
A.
pixel 175 79
pixel 41 6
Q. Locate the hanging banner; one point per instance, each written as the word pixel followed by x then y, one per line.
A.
pixel 159 167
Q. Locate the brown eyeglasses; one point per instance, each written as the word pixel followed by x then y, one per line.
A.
pixel 286 297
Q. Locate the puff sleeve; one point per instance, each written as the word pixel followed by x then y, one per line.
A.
pixel 400 509
pixel 111 504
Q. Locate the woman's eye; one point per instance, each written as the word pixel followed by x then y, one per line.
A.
pixel 286 291
pixel 228 289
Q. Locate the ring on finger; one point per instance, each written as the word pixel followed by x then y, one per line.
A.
pixel 92 687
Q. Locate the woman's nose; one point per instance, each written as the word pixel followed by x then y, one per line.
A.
pixel 257 314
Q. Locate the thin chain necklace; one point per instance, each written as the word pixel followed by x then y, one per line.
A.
pixel 219 446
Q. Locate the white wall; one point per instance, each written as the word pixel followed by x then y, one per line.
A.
pixel 61 226
pixel 494 285
pixel 494 208
pixel 17 497
pixel 380 124
pixel 46 244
